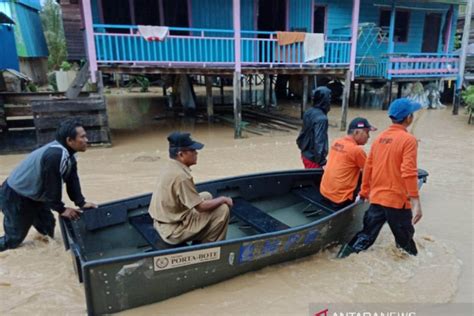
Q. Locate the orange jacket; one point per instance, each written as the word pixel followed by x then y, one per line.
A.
pixel 390 173
pixel 345 161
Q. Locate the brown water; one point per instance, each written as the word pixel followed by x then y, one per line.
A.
pixel 38 278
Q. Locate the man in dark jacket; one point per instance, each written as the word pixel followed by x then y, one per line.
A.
pixel 313 138
pixel 35 187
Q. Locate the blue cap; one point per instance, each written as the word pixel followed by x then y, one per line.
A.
pixel 401 108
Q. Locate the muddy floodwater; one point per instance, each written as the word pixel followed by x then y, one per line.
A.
pixel 38 277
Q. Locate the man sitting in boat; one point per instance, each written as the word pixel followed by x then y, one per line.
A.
pixel 180 213
pixel 345 161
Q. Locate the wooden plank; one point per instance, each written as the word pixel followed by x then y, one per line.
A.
pixel 20 123
pixel 88 120
pixel 79 82
pixel 94 136
pixel 17 110
pixel 75 105
pixel 25 98
pixel 221 71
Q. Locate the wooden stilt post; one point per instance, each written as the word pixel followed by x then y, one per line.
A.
pixel 345 100
pixel 237 106
pixel 222 90
pixel 359 94
pixel 304 96
pixel 266 91
pixel 250 90
pixel 352 95
pixel 270 88
pixel 238 67
pixel 390 85
pixel 209 98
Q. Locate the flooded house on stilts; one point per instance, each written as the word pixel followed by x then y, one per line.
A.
pixel 359 42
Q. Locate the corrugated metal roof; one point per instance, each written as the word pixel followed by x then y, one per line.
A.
pixel 34 4
pixel 29 37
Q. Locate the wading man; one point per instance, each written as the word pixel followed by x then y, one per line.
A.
pixel 390 183
pixel 313 138
pixel 35 187
pixel 346 160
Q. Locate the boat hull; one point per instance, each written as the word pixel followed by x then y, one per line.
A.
pixel 120 273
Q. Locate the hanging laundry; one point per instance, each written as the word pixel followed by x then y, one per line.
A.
pixel 313 46
pixel 153 33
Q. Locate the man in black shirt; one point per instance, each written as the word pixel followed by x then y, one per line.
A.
pixel 313 138
pixel 35 187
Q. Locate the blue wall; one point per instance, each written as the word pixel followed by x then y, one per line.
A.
pixel 217 14
pixel 339 19
pixel 8 55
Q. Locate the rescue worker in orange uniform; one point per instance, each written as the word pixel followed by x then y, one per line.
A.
pixel 390 183
pixel 345 162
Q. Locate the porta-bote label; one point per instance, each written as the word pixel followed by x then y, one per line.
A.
pixel 186 258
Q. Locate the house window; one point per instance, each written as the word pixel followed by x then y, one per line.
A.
pixel 402 21
pixel 116 12
pixel 319 19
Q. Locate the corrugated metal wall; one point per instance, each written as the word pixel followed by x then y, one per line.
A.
pixel 300 15
pixel 217 14
pixel 32 33
pixel 29 37
pixel 8 55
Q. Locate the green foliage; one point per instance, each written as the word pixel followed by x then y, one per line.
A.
pixel 66 66
pixel 143 82
pixel 52 81
pixel 140 81
pixel 468 97
pixel 32 87
pixel 51 20
pixel 457 41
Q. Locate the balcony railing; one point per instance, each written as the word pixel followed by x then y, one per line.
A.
pixel 423 65
pixel 409 66
pixel 208 47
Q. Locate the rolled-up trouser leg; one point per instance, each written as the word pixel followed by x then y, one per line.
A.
pixel 402 228
pixel 374 219
pixel 16 222
pixel 44 221
pixel 217 226
pixel 202 226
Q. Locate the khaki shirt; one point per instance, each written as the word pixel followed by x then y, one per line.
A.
pixel 175 195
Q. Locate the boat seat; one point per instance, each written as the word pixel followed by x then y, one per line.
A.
pixel 144 225
pixel 258 219
pixel 313 196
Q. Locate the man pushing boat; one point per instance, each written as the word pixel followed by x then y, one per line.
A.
pixel 179 212
pixel 35 187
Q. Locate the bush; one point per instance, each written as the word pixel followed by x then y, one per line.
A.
pixel 468 97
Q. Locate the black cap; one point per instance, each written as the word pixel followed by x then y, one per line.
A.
pixel 183 140
pixel 360 122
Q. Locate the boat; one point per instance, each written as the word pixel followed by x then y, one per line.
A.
pixel 276 217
